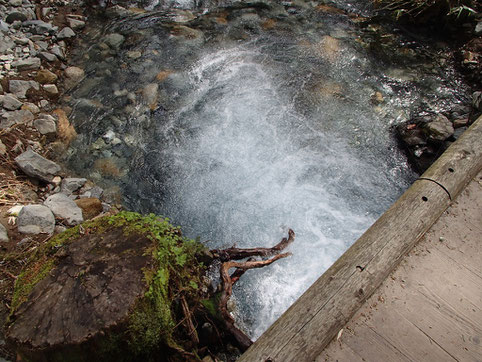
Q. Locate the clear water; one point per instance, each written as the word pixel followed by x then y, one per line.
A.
pixel 255 136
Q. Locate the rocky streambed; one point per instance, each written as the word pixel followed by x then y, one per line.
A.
pixel 241 120
pixel 237 120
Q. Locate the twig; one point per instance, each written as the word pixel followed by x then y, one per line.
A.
pixel 189 324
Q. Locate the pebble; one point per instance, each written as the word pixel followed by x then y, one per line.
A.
pixel 27 64
pixel 71 184
pixel 66 33
pixel 45 125
pixel 51 89
pixel 3 234
pixel 49 57
pixel 10 102
pixel 45 76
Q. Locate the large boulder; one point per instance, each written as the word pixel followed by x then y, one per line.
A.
pixel 64 208
pixel 37 166
pixel 109 290
pixel 35 219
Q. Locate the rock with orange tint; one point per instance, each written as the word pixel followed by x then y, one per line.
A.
pixel 65 130
pixel 163 74
pixel 91 207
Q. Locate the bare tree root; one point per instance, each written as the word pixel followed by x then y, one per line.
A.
pixel 234 253
pixel 228 280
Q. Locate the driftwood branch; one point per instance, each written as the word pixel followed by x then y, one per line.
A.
pixel 234 253
pixel 228 280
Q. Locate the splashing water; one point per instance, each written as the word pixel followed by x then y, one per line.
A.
pixel 253 137
pixel 244 166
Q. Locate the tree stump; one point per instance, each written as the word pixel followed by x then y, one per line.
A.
pixel 106 290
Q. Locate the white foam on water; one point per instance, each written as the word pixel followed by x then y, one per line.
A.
pixel 245 167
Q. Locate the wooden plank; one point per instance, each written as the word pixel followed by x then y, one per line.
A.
pixel 443 324
pixel 372 347
pixel 461 241
pixel 339 352
pixel 434 274
pixel 313 320
pixel 405 337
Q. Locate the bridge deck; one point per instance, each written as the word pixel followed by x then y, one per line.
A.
pixel 430 307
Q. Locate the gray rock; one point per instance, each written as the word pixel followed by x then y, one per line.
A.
pixel 71 184
pixel 51 89
pixel 114 40
pixel 40 27
pixel 4 26
pixel 65 208
pixel 11 103
pixel 58 52
pixel 95 191
pixel 66 33
pixel 15 3
pixel 150 93
pixel 3 149
pixel 477 100
pixel 76 24
pixel 6 44
pixel 20 87
pixel 49 57
pixel 440 128
pixel 73 75
pixel 116 11
pixel 45 125
pixel 16 117
pixel 37 166
pixel 478 28
pixel 35 219
pixel 27 64
pixel 3 234
pixel 15 16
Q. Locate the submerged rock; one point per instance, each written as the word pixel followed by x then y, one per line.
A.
pixel 37 166
pixel 35 219
pixel 65 208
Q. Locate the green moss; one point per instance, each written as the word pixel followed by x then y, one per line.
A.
pixel 154 320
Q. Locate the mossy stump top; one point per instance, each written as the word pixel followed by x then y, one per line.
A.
pixel 103 288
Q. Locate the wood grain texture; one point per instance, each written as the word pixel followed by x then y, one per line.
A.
pixel 430 307
pixel 304 330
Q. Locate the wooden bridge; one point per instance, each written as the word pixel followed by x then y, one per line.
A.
pixel 386 300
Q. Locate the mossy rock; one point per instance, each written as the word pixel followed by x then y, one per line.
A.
pixel 106 290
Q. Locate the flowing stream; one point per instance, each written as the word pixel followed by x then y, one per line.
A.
pixel 239 123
